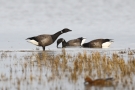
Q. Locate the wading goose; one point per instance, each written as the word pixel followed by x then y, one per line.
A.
pixel 98 43
pixel 99 82
pixel 46 39
pixel 74 42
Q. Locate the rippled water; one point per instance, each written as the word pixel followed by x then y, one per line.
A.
pixel 20 70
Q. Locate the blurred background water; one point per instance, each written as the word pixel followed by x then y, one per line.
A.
pixel 92 19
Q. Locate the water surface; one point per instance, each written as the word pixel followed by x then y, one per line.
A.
pixel 90 19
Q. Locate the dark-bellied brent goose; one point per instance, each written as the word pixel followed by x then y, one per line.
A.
pixel 46 39
pixel 98 43
pixel 74 42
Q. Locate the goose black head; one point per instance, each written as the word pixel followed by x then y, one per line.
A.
pixel 82 39
pixel 65 30
pixel 109 40
pixel 59 41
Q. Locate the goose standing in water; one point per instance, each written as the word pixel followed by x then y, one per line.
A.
pixel 98 43
pixel 46 39
pixel 74 42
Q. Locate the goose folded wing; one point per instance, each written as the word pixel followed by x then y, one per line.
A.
pixel 74 42
pixel 95 44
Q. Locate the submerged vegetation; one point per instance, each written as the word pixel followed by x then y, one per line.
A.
pixel 50 70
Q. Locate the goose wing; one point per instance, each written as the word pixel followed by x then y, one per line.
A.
pixel 74 42
pixel 43 40
pixel 96 43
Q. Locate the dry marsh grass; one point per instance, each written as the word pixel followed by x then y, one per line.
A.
pixel 50 67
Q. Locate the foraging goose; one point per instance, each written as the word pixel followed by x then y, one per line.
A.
pixel 74 42
pixel 46 39
pixel 98 43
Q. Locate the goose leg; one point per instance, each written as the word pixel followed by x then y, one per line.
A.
pixel 43 48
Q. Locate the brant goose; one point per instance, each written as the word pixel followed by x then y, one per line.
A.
pixel 99 82
pixel 98 43
pixel 46 39
pixel 75 42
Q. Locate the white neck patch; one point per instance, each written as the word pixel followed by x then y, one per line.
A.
pixel 61 31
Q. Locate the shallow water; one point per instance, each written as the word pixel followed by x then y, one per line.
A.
pixel 22 70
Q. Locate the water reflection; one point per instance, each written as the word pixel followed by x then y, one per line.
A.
pixel 64 70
